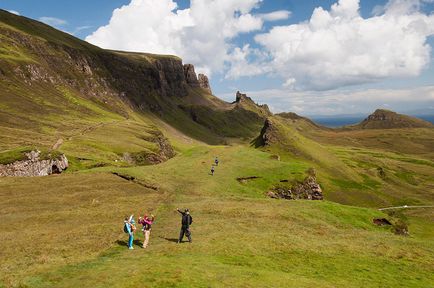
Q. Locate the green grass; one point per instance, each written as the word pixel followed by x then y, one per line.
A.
pixel 241 238
pixel 66 230
pixel 10 156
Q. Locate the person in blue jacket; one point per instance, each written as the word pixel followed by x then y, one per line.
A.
pixel 129 227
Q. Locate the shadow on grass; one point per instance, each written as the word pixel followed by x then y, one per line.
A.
pixel 175 240
pixel 125 243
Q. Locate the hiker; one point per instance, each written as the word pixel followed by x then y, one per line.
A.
pixel 212 170
pixel 216 161
pixel 129 227
pixel 185 222
pixel 147 223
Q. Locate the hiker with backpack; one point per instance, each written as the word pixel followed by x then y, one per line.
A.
pixel 212 170
pixel 185 225
pixel 129 227
pixel 146 221
pixel 216 161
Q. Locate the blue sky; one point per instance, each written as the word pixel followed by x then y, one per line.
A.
pixel 286 82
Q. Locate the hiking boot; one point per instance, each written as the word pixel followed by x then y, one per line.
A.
pixel 131 248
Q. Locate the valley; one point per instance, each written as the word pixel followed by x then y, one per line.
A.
pixel 140 133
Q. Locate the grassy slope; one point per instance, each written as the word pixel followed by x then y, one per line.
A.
pixel 241 239
pixel 348 162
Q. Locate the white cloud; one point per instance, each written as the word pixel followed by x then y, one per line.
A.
pixel 343 101
pixel 338 47
pixel 201 34
pixel 289 83
pixel 242 63
pixel 276 15
pixel 14 12
pixel 80 28
pixel 52 21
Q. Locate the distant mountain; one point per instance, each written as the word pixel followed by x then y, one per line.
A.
pixel 385 119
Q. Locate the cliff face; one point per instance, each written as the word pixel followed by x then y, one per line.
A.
pixel 204 82
pixel 146 81
pixel 190 75
pixel 59 68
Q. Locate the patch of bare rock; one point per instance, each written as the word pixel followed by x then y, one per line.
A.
pixel 35 165
pixel 308 189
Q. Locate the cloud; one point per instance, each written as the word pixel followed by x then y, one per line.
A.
pixel 14 12
pixel 245 61
pixel 343 101
pixel 276 15
pixel 339 48
pixel 201 34
pixel 52 21
pixel 80 28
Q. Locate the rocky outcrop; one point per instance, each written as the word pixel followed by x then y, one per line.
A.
pixel 242 97
pixel 269 134
pixel 246 102
pixel 204 82
pixel 35 166
pixel 309 189
pixel 190 75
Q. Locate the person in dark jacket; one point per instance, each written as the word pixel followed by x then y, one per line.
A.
pixel 185 225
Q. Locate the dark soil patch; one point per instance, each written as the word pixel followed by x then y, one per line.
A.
pixel 246 179
pixel 135 180
pixel 381 222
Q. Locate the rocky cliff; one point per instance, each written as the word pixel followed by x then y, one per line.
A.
pixel 34 165
pixel 245 102
pixel 204 82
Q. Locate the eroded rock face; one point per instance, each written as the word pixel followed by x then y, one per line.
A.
pixel 269 133
pixel 34 166
pixel 309 189
pixel 190 75
pixel 204 82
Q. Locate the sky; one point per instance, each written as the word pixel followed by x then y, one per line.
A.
pixel 311 57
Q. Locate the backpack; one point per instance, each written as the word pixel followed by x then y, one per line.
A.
pixel 125 228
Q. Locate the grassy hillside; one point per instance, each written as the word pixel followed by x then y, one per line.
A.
pixel 45 72
pixel 386 119
pixel 366 168
pixel 240 238
pixel 108 110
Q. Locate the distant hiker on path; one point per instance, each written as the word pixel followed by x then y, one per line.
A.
pixel 212 170
pixel 147 223
pixel 216 161
pixel 185 222
pixel 129 227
